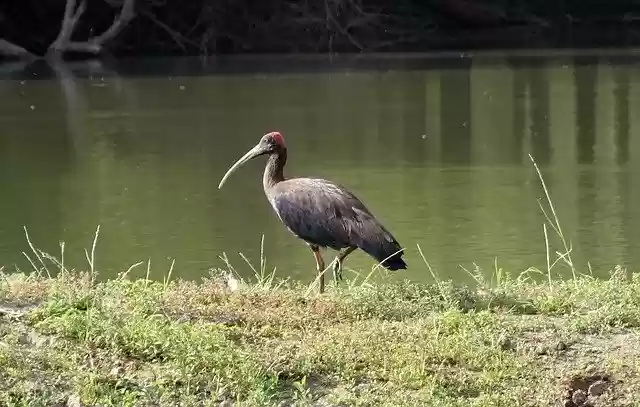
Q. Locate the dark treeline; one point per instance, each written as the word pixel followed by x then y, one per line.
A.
pixel 205 27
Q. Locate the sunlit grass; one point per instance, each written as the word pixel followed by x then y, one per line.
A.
pixel 140 342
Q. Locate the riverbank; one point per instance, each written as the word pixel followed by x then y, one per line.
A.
pixel 70 340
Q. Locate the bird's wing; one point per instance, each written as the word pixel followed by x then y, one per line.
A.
pixel 326 214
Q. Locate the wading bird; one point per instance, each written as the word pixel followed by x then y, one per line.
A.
pixel 321 213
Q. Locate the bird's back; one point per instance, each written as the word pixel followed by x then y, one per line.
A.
pixel 327 214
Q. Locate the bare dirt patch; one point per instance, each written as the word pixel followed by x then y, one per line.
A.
pixel 593 370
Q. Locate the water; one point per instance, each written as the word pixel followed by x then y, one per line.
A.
pixel 438 151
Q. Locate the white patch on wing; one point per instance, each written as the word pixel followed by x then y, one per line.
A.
pixel 275 209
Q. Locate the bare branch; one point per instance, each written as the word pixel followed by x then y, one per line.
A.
pixel 10 49
pixel 177 38
pixel 69 21
pixel 342 30
pixel 95 44
pixel 126 14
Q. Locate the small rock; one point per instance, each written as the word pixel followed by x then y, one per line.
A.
pixel 116 371
pixel 74 401
pixel 506 344
pixel 226 403
pixel 23 339
pixel 560 346
pixel 360 388
pixel 38 340
pixel 579 397
pixel 597 388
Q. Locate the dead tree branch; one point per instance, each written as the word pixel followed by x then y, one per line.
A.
pixel 10 49
pixel 95 44
pixel 69 21
pixel 350 24
pixel 342 30
pixel 177 38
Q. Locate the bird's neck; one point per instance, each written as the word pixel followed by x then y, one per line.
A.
pixel 273 172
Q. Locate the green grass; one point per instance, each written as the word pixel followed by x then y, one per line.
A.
pixel 123 342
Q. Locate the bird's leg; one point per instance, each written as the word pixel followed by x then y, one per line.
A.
pixel 319 265
pixel 337 264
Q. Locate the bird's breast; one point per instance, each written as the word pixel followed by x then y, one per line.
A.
pixel 274 206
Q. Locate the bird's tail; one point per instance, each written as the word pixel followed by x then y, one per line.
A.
pixel 395 262
pixel 388 255
pixel 377 242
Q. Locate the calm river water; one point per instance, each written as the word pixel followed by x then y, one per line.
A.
pixel 437 148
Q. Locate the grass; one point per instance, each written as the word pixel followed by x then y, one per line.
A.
pixel 66 337
pixel 140 342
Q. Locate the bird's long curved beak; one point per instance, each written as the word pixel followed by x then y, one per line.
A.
pixel 254 152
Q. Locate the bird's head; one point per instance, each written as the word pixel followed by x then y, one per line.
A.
pixel 270 143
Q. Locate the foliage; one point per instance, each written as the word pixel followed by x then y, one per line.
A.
pixel 207 27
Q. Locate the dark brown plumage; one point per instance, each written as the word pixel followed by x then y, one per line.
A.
pixel 321 213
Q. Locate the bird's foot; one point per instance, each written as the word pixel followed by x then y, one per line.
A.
pixel 337 271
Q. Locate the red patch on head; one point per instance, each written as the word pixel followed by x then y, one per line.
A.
pixel 277 137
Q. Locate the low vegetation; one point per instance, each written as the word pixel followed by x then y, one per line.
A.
pixel 517 342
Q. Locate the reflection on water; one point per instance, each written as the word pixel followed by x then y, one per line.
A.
pixel 439 153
